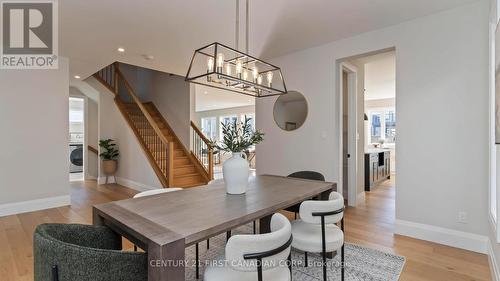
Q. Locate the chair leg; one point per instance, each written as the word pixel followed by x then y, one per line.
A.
pixel 55 273
pixel 342 260
pixel 208 244
pixel 228 235
pixel 197 263
pixel 342 269
pixel 135 248
pixel 290 265
pixel 323 246
pixel 295 215
pixel 305 259
pixel 254 227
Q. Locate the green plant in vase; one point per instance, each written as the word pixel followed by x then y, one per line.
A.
pixel 237 137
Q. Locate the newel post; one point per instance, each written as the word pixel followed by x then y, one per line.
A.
pixel 211 162
pixel 170 169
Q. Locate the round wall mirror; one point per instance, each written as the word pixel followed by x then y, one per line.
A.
pixel 290 111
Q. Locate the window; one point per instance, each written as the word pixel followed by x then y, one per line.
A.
pixel 227 120
pixel 390 126
pixel 382 125
pixel 376 126
pixel 209 127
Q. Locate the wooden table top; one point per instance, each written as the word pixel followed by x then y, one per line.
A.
pixel 198 213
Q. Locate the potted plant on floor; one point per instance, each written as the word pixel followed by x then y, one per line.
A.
pixel 237 138
pixel 109 155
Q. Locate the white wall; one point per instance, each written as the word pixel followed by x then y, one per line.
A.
pixel 34 149
pixel 134 169
pixel 172 96
pixel 92 138
pixel 241 110
pixel 442 87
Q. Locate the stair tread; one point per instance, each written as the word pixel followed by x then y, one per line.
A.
pixel 192 184
pixel 187 175
pixel 184 166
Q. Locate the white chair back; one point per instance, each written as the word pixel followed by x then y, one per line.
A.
pixel 239 245
pixel 156 191
pixel 335 202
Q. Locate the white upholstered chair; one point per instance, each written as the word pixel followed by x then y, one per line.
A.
pixel 156 191
pixel 256 257
pixel 316 230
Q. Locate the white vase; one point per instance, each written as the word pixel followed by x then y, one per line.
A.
pixel 236 172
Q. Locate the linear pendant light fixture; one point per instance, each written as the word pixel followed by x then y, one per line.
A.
pixel 219 66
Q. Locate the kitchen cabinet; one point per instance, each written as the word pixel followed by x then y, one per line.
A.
pixel 377 167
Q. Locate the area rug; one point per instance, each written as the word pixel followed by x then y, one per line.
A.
pixel 361 263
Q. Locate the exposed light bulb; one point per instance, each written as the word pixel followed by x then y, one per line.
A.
pixel 220 62
pixel 210 64
pixel 239 66
pixel 245 74
pixel 259 79
pixel 229 69
pixel 269 76
pixel 255 73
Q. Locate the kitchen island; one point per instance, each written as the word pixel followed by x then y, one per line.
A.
pixel 377 167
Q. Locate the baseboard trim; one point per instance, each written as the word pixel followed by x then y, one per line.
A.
pixel 449 237
pixel 34 205
pixel 495 271
pixel 128 183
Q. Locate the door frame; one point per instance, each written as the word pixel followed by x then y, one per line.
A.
pixel 353 136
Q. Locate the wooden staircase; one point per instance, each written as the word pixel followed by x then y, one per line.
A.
pixel 173 163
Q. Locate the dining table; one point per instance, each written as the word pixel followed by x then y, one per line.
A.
pixel 165 224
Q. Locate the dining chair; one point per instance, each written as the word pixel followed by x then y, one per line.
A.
pixel 256 257
pixel 84 252
pixel 309 175
pixel 316 230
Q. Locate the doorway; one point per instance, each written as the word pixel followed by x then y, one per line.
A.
pixel 76 138
pixel 367 123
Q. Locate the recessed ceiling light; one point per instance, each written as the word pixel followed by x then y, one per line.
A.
pixel 121 50
pixel 148 57
pixel 77 77
pixel 205 92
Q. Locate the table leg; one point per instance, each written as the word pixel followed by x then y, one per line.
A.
pixel 265 224
pixel 166 262
pixel 96 219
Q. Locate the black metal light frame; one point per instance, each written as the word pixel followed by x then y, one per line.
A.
pixel 238 85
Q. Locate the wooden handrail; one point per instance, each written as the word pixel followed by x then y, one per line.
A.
pixel 200 149
pixel 143 109
pixel 92 149
pixel 201 134
pixel 110 77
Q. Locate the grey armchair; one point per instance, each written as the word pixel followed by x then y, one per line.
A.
pixel 74 252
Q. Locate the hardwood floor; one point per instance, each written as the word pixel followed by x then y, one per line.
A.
pixel 370 224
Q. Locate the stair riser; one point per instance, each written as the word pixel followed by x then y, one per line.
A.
pixel 184 170
pixel 187 180
pixel 182 161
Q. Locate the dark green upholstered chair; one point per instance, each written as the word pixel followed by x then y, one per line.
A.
pixel 308 175
pixel 74 252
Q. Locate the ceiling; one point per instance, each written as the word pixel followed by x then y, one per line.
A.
pixel 380 76
pixel 170 30
pixel 208 98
